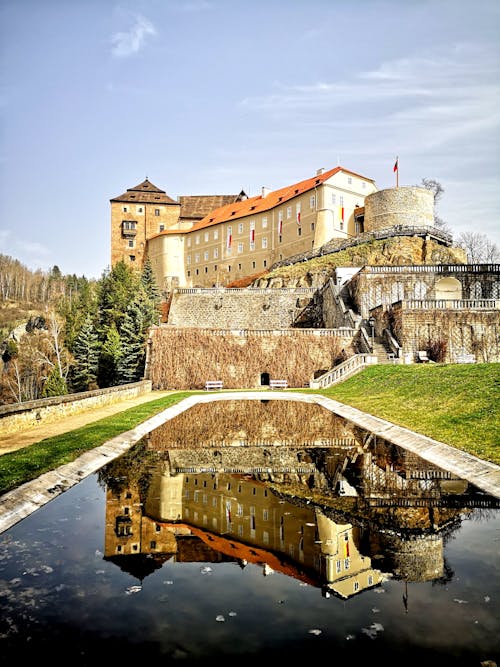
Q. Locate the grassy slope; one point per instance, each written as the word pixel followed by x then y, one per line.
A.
pixel 456 404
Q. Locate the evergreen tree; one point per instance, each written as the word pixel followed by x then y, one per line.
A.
pixel 115 292
pixel 149 283
pixel 111 352
pixel 133 342
pixel 86 354
pixel 55 385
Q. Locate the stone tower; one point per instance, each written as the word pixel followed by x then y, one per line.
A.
pixel 140 213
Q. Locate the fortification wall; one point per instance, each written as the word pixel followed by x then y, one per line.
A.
pixel 220 308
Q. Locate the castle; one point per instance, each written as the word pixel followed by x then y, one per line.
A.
pixel 214 240
pixel 418 295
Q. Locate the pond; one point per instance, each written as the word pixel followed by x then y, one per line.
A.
pixel 257 531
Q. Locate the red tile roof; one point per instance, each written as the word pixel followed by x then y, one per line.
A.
pixel 259 204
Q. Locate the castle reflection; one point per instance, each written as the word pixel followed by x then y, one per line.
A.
pixel 286 485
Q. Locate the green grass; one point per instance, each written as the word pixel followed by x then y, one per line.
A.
pixel 455 404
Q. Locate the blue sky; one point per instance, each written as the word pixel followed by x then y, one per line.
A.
pixel 215 96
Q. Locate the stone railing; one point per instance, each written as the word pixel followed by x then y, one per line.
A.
pixel 435 268
pixel 449 304
pixel 245 290
pixel 18 416
pixel 346 369
pixel 341 332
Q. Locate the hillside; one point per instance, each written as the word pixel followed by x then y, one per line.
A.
pixel 398 250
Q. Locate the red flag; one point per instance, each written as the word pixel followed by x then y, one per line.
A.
pixel 280 226
pixel 252 235
pixel 229 240
pixel 396 165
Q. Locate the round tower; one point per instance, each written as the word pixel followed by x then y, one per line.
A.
pixel 399 206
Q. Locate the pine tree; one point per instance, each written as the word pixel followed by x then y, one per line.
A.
pixel 55 385
pixel 86 354
pixel 133 344
pixel 111 352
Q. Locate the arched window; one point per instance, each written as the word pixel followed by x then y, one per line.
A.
pixel 448 288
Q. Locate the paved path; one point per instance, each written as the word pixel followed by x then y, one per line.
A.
pixel 13 441
pixel 21 502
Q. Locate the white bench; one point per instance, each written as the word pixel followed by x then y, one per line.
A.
pixel 213 384
pixel 466 359
pixel 278 384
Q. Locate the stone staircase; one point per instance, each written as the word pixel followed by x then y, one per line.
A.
pixel 381 352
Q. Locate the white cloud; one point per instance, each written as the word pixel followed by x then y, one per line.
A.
pixel 127 43
pixel 32 254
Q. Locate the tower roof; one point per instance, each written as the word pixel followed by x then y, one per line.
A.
pixel 145 193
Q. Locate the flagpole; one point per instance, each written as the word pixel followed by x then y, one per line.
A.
pixel 396 169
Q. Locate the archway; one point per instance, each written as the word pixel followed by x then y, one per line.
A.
pixel 448 288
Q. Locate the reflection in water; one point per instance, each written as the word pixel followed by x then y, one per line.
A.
pixel 331 506
pixel 254 531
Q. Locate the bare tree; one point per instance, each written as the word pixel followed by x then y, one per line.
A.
pixel 437 190
pixel 479 248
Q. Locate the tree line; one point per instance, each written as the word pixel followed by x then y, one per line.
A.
pixel 89 334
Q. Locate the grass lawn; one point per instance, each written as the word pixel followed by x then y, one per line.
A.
pixel 455 404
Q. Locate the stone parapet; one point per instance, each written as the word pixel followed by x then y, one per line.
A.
pixel 19 416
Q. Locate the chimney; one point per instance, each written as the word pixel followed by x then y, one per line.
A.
pixel 265 191
pixel 320 171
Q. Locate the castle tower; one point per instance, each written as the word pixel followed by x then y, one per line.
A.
pixel 413 206
pixel 140 213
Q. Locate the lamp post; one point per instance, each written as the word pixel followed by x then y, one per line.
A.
pixel 371 322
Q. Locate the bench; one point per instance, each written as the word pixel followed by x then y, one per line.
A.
pixel 422 356
pixel 466 359
pixel 213 384
pixel 278 384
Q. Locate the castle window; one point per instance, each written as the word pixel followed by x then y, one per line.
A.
pixel 140 209
pixel 125 209
pixel 189 242
pixel 132 258
pixel 334 198
pixel 197 258
pixel 349 180
pixel 253 265
pixel 239 267
pixel 312 226
pixel 240 228
pixel 312 201
pixel 206 237
pixel 363 185
pixel 288 212
pixel 264 222
pixel 216 234
pixel 131 243
pixel 264 242
pixel 240 247
pixel 205 255
pixel 162 228
pixel 157 211
pixel 197 272
pixel 216 253
pixel 265 263
pixel 299 231
pixel 188 260
pixel 197 239
pixel 206 270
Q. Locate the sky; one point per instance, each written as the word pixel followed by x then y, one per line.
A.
pixel 219 96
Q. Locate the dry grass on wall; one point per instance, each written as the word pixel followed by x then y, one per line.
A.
pixel 186 358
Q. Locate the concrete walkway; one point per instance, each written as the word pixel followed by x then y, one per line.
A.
pixel 21 502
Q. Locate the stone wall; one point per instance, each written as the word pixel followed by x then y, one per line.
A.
pixel 465 332
pixel 180 358
pixel 18 416
pixel 220 308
